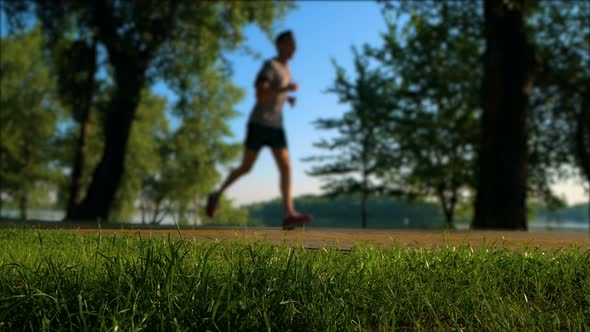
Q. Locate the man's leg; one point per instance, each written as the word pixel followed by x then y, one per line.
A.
pixel 248 160
pixel 281 156
pixel 293 218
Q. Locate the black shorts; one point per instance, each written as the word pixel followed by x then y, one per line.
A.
pixel 259 136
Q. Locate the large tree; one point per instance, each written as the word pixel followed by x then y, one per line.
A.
pixel 509 63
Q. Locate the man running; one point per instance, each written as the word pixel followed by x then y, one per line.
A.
pixel 265 127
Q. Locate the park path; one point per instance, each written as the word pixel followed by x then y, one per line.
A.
pixel 344 239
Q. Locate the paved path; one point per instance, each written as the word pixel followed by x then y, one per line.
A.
pixel 344 239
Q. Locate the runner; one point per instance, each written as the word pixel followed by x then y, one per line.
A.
pixel 265 127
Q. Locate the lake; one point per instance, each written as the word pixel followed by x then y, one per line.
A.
pixel 534 225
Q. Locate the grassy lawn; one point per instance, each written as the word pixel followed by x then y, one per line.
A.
pixel 51 280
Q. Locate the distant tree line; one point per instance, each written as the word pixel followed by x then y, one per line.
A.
pixel 390 212
pixel 342 211
pixel 575 213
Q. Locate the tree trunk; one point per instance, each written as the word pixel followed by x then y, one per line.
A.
pixel 508 66
pixel 82 142
pixel 129 80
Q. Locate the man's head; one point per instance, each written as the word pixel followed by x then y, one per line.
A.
pixel 285 43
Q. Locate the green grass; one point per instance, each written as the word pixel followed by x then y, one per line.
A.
pixel 51 280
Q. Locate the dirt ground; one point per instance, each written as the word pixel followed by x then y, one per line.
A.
pixel 343 239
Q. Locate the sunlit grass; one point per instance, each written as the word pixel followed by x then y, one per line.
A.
pixel 52 280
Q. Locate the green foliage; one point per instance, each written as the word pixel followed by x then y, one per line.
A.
pixel 189 156
pixel 414 122
pixel 360 147
pixel 200 33
pixel 200 144
pixel 55 281
pixel 28 115
pixel 434 57
pixel 560 95
pixel 362 150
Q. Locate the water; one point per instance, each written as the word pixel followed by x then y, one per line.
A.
pixel 537 225
pixel 58 215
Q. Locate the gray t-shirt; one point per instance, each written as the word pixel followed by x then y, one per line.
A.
pixel 269 113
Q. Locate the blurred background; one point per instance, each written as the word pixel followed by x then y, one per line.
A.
pixel 132 111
